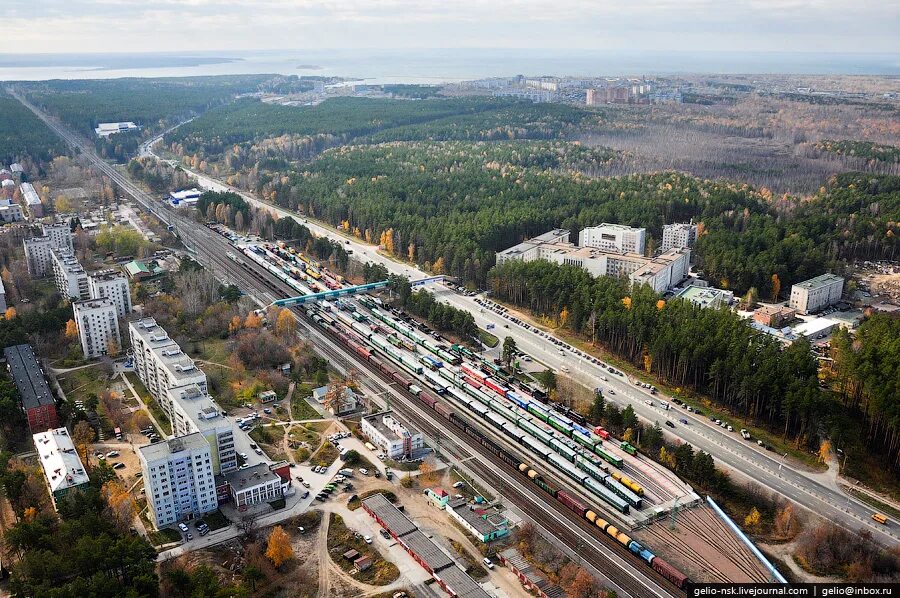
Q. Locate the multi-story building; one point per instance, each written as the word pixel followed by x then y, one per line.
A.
pixel 98 327
pixel 678 235
pixel 396 439
pixel 774 316
pixel 2 297
pixel 254 485
pixel 10 211
pixel 32 200
pixel 60 236
pixel 38 249
pixel 62 467
pixel 191 410
pixel 37 256
pixel 34 393
pixel 179 479
pixel 70 277
pixel 107 129
pixel 159 361
pixel 660 272
pixel 614 237
pixel 112 285
pixel 706 296
pixel 816 293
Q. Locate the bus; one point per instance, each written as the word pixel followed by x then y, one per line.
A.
pixel 370 446
pixel 880 518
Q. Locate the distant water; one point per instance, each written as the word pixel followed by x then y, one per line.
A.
pixel 434 66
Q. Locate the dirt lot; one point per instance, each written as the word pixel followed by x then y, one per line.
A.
pixel 127 455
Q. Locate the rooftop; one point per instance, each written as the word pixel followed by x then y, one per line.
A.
pixel 152 333
pixel 83 304
pixel 27 375
pixel 199 407
pixel 427 550
pixel 461 584
pixel 172 446
pixel 105 275
pixel 378 421
pixel 249 477
pixel 483 525
pixel 703 296
pixel 820 281
pixel 59 459
pixel 30 195
pixel 396 521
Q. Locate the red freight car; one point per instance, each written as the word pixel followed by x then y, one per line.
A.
pixel 443 410
pixel 571 503
pixel 669 572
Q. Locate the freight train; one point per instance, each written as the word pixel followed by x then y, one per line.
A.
pixel 659 565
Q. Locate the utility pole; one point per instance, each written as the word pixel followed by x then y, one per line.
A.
pixel 674 514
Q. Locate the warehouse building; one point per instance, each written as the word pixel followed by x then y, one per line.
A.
pixel 614 237
pixel 816 293
pixel 60 463
pixel 179 479
pixel 531 578
pixel 34 393
pixel 485 523
pixel 107 129
pixel 98 327
pixel 395 438
pixel 431 557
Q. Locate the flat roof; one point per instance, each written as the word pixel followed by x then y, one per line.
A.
pixel 482 525
pixel 30 195
pixel 396 521
pixel 151 333
pixel 377 421
pixel 27 376
pixel 59 459
pixel 820 281
pixel 702 296
pixel 427 550
pixel 110 274
pixel 199 406
pixel 82 304
pixel 165 448
pixel 461 584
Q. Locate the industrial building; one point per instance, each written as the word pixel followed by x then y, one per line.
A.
pixel 186 197
pixel 678 235
pixel 63 470
pixel 112 285
pixel 614 237
pixel 439 565
pixel 660 272
pixel 34 393
pixel 485 523
pixel 531 578
pixel 179 479
pixel 396 439
pixel 98 327
pixel 107 129
pixel 816 293
pixel 159 361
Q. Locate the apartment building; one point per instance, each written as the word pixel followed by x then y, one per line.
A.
pixel 37 256
pixel 112 285
pixel 3 305
pixel 395 438
pixel 678 235
pixel 60 236
pixel 179 479
pixel 98 327
pixel 191 410
pixel 614 237
pixel 70 277
pixel 816 293
pixel 32 200
pixel 10 211
pixel 60 463
pixel 660 272
pixel 159 361
pixel 34 394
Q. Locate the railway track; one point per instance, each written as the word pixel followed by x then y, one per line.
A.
pixel 624 574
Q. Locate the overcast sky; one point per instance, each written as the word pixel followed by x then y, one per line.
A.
pixel 652 25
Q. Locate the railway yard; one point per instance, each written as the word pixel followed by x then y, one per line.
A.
pixel 604 481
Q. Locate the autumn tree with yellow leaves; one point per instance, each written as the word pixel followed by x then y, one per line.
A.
pixel 278 548
pixel 71 330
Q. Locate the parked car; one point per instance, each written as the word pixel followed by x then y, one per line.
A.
pixel 368 539
pixel 487 563
pixel 183 527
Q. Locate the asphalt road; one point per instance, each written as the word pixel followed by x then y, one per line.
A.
pixel 728 448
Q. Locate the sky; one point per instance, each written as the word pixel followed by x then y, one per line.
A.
pixel 819 26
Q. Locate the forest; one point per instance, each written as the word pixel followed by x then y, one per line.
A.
pixel 714 352
pixel 861 149
pixel 22 135
pixel 150 103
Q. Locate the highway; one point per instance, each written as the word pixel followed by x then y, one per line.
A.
pixel 619 571
pixel 742 458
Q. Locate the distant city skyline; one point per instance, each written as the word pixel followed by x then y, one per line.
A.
pixel 819 26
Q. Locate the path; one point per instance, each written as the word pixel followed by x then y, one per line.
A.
pixel 140 401
pixel 67 370
pixel 324 559
pixel 214 363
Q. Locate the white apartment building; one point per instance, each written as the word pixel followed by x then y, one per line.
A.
pixel 179 479
pixel 395 438
pixel 60 236
pixel 98 326
pixel 660 272
pixel 62 467
pixel 37 249
pixel 678 235
pixel 32 200
pixel 159 361
pixel 37 255
pixel 2 297
pixel 614 237
pixel 112 285
pixel 191 410
pixel 10 211
pixel 816 293
pixel 71 279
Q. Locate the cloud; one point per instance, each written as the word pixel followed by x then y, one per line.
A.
pixel 652 25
